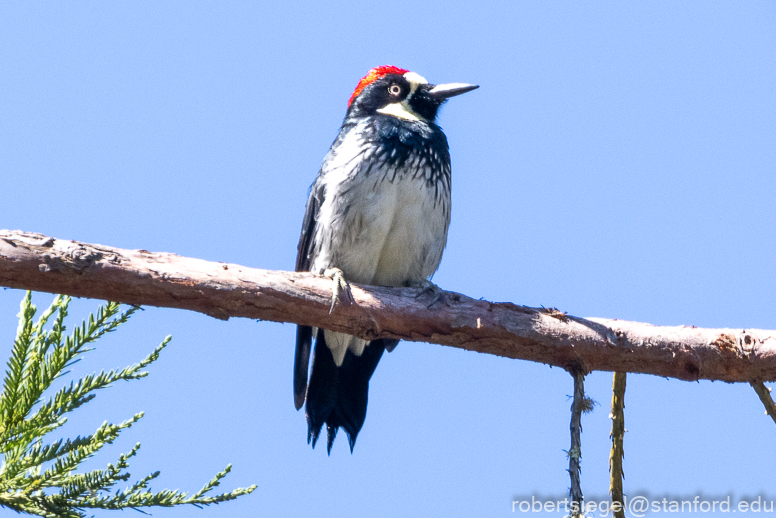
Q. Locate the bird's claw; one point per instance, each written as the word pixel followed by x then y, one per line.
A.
pixel 338 277
pixel 426 286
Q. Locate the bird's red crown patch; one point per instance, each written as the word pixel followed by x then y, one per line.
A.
pixel 373 75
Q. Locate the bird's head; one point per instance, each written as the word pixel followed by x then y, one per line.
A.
pixel 394 91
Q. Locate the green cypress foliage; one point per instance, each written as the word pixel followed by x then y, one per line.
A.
pixel 40 477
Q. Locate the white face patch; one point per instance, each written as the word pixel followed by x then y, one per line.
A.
pixel 415 80
pixel 401 110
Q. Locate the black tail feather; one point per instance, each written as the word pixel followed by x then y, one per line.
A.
pixel 304 337
pixel 353 388
pixel 337 396
pixel 322 390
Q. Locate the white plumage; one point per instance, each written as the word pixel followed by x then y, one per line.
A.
pixel 381 229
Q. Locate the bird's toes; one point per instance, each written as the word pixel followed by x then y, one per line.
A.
pixel 339 283
pixel 426 286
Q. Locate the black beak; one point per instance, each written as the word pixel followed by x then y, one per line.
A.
pixel 441 92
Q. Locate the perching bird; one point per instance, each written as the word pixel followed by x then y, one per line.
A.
pixel 377 214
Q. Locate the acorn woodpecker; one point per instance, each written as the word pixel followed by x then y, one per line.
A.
pixel 377 214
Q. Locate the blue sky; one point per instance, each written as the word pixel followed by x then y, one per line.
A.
pixel 618 161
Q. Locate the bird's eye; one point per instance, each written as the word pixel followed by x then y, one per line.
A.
pixel 394 89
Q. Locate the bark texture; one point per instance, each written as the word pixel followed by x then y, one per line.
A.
pixel 222 290
pixel 575 452
pixel 618 449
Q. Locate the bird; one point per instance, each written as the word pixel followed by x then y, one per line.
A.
pixel 377 213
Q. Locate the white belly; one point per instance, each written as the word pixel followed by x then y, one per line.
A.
pixel 392 234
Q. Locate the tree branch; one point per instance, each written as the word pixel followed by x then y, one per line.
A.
pixel 618 439
pixel 765 396
pixel 578 405
pixel 221 290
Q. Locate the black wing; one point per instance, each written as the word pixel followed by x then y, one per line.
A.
pixel 304 334
pixel 303 250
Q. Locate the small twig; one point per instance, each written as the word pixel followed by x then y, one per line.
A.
pixel 618 432
pixel 765 396
pixel 575 453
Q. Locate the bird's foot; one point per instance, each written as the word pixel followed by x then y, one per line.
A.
pixel 426 286
pixel 336 275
